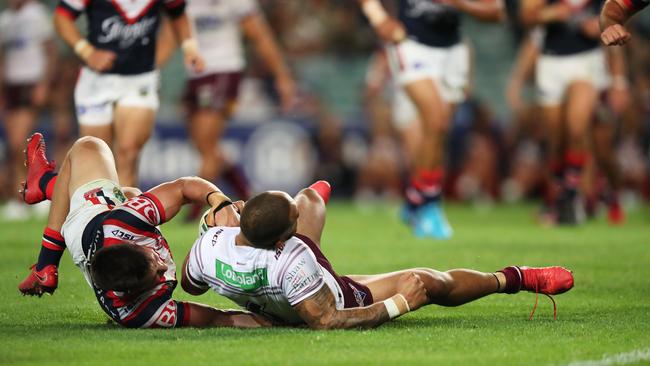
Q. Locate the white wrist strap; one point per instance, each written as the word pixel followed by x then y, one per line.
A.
pixel 83 49
pixel 190 45
pixel 393 309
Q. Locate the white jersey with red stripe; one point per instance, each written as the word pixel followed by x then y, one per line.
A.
pixel 266 282
pixel 217 27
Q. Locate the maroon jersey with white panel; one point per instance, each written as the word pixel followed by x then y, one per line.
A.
pixel 126 27
pixel 135 222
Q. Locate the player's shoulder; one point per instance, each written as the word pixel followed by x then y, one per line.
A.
pixel 294 250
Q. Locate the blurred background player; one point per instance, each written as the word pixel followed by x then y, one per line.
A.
pixel 571 72
pixel 431 63
pixel 27 56
pixel 211 95
pixel 116 95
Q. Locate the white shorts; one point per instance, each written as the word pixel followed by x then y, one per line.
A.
pixel 448 67
pixel 554 74
pixel 87 202
pixel 97 94
pixel 404 112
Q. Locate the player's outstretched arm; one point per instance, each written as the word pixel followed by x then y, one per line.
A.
pixel 173 195
pixel 203 316
pixel 319 310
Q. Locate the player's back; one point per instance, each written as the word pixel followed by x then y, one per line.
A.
pixel 267 282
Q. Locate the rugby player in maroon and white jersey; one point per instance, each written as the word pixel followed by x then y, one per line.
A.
pixel 613 16
pixel 211 95
pixel 272 264
pixel 116 96
pixel 112 234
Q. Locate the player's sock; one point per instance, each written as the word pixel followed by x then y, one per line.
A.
pixel 46 184
pixel 323 188
pixel 52 249
pixel 574 161
pixel 428 183
pixel 514 279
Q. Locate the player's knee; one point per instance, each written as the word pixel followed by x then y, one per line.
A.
pixel 89 143
pixel 128 152
pixel 309 195
pixel 438 284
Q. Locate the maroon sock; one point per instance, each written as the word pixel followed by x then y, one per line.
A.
pixel 514 278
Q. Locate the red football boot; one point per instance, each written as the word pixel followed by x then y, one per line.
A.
pixel 323 188
pixel 546 280
pixel 39 282
pixel 37 165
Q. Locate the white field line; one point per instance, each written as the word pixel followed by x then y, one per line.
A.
pixel 625 358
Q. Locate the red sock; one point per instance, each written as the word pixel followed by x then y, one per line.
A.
pixel 323 189
pixel 428 182
pixel 52 247
pixel 49 188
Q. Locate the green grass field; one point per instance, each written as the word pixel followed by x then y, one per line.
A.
pixel 607 313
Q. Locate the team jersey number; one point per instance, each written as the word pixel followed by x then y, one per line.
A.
pixel 144 207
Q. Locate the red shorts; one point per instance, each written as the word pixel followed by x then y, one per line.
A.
pixel 214 91
pixel 18 96
pixel 354 294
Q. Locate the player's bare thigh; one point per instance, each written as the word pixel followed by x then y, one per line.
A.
pixel 384 286
pixel 90 159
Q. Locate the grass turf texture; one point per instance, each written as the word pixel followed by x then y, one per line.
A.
pixel 606 313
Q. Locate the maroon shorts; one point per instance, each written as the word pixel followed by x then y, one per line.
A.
pixel 354 294
pixel 214 91
pixel 18 96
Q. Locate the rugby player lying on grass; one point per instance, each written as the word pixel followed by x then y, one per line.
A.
pixel 272 265
pixel 113 238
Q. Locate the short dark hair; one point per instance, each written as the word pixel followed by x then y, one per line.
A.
pixel 120 267
pixel 266 219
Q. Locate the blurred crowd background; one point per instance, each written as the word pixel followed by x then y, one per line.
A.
pixel 341 128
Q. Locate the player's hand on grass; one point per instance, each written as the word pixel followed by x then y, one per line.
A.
pixel 615 35
pixel 100 60
pixel 410 285
pixel 391 31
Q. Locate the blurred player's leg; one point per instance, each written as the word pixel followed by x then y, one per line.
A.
pixel 424 193
pixel 605 156
pixel 552 116
pixel 18 124
pixel 103 132
pixel 133 127
pixel 580 103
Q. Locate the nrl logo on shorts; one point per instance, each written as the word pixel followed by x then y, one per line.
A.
pixel 119 195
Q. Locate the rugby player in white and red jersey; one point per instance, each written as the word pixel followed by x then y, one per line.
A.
pixel 614 15
pixel 112 234
pixel 211 95
pixel 273 265
pixel 116 96
pixel 431 64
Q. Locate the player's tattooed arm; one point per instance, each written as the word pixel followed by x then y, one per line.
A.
pixel 319 312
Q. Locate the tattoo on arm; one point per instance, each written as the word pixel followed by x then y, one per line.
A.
pixel 319 312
